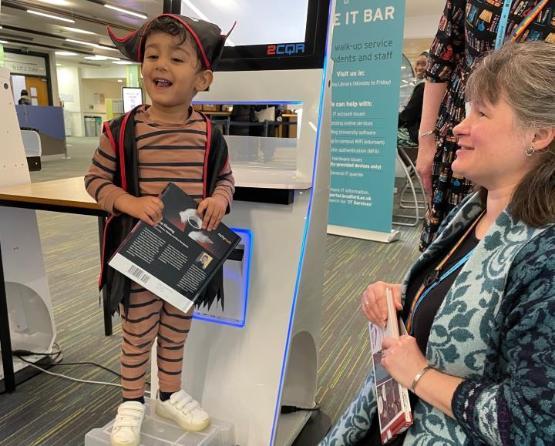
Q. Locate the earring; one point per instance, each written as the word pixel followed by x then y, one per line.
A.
pixel 529 151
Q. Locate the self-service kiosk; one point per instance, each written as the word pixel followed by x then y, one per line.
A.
pixel 25 308
pixel 246 375
pixel 259 353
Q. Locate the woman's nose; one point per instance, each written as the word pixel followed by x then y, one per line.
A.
pixel 461 128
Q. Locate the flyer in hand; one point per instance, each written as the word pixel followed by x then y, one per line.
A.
pixel 394 413
pixel 176 258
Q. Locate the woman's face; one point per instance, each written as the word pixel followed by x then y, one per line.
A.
pixel 420 67
pixel 492 146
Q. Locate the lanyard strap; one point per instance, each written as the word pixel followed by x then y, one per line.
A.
pixel 523 26
pixel 527 21
pixel 427 291
pixel 425 288
pixel 503 21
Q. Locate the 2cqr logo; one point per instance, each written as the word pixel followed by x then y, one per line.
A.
pixel 285 49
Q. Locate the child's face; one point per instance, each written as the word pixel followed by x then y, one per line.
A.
pixel 171 71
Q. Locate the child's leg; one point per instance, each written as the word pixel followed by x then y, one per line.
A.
pixel 139 327
pixel 172 333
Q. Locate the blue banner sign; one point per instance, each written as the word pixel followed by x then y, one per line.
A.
pixel 366 50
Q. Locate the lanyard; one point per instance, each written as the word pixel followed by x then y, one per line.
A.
pixel 503 21
pixel 427 291
pixel 523 26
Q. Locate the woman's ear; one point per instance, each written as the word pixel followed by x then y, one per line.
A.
pixel 543 137
pixel 204 80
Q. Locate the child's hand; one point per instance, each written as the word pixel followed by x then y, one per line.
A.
pixel 147 209
pixel 212 210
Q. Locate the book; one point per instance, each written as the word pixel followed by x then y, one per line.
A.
pixel 175 259
pixel 392 399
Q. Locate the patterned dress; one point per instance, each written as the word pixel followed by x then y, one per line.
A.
pixel 467 31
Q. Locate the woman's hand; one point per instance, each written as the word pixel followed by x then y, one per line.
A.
pixel 402 359
pixel 425 162
pixel 374 304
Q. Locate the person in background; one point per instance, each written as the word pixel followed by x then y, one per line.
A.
pixel 479 304
pixel 24 99
pixel 468 30
pixel 420 66
pixel 409 118
pixel 165 142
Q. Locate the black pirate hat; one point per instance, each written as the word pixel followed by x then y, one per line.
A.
pixel 206 36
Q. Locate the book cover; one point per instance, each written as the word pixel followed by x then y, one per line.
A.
pixel 392 399
pixel 176 258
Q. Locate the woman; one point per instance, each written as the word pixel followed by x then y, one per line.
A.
pixel 480 357
pixel 467 30
pixel 409 118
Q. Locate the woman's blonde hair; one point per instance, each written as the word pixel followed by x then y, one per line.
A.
pixel 523 74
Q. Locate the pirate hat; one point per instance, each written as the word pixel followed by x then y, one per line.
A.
pixel 206 36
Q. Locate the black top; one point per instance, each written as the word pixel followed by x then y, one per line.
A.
pixel 424 316
pixel 412 113
pixel 423 319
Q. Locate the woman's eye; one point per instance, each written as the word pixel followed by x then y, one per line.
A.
pixel 152 56
pixel 175 59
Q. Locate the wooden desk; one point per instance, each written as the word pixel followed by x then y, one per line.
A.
pixel 68 196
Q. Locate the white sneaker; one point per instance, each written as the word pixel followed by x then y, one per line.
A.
pixel 184 410
pixel 126 430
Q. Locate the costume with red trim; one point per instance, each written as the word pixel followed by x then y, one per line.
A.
pixel 207 37
pixel 121 133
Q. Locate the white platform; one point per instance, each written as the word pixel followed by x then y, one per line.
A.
pixel 158 431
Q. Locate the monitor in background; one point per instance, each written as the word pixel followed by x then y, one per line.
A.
pixel 269 35
pixel 132 96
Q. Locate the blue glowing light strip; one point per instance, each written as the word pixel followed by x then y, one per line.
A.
pixel 308 218
pixel 247 237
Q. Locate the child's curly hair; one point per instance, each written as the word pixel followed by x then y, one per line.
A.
pixel 169 26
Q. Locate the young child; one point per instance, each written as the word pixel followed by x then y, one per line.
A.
pixel 137 156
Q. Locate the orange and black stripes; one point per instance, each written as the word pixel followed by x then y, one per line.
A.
pixel 147 318
pixel 167 152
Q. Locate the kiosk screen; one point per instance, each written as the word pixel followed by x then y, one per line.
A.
pixel 269 35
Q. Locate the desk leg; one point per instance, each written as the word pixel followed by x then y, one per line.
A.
pixel 105 303
pixel 5 338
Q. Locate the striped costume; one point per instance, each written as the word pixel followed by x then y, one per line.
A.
pixel 141 160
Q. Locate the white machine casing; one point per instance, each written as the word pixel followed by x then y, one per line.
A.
pixel 28 297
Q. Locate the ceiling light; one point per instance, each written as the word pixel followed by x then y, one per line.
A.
pixel 102 47
pixel 77 30
pixel 99 57
pixel 123 62
pixel 65 53
pixel 58 64
pixel 120 81
pixel 4 41
pixel 94 45
pixel 95 58
pixel 56 2
pixel 125 11
pixel 63 19
pixel 80 42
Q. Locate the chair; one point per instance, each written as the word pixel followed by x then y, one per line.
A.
pixel 33 148
pixel 413 184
